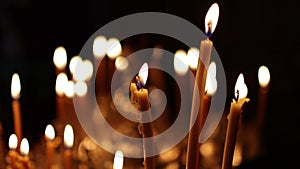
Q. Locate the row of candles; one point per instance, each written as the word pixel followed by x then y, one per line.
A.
pixel 112 48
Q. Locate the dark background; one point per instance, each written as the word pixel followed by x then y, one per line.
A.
pixel 249 34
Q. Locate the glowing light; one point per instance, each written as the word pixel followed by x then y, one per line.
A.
pixel 181 62
pixel 24 147
pixel 83 71
pixel 99 47
pixel 240 87
pixel 69 89
pixel 237 156
pixel 13 142
pixel 121 63
pixel 73 63
pixel 68 136
pixel 80 88
pixel 15 86
pixel 193 56
pixel 61 83
pixel 143 73
pixel 60 58
pixel 211 18
pixel 263 76
pixel 211 81
pixel 207 149
pixel 49 132
pixel 118 160
pixel 114 48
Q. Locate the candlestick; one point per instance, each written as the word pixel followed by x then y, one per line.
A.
pixel 51 144
pixel 61 82
pixel 264 80
pixel 24 150
pixel 118 160
pixel 203 61
pixel 241 92
pixel 13 154
pixel 15 93
pixel 68 141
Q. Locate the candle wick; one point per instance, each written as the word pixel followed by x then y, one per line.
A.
pixel 209 31
pixel 237 95
pixel 139 84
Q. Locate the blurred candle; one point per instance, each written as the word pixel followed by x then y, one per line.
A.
pixel 118 160
pixel 15 93
pixel 50 147
pixel 24 150
pixel 60 85
pixel 13 154
pixel 237 104
pixel 264 80
pixel 68 142
pixel 73 64
pixel 206 46
pixel 60 59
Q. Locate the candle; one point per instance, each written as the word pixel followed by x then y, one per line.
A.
pixel 241 92
pixel 264 80
pixel 60 59
pixel 24 150
pixel 68 141
pixel 60 85
pixel 118 160
pixel 142 103
pixel 206 45
pixel 13 154
pixel 15 93
pixel 50 145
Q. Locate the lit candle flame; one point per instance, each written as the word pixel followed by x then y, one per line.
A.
pixel 68 136
pixel 240 89
pixel 13 142
pixel 193 55
pixel 60 58
pixel 121 63
pixel 114 48
pixel 263 76
pixel 61 82
pixel 73 63
pixel 24 147
pixel 211 81
pixel 80 88
pixel 99 47
pixel 84 70
pixel 69 89
pixel 15 86
pixel 118 160
pixel 181 62
pixel 49 132
pixel 143 73
pixel 211 19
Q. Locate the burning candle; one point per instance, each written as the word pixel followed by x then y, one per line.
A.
pixel 24 150
pixel 206 45
pixel 68 141
pixel 50 146
pixel 15 93
pixel 13 154
pixel 264 80
pixel 237 104
pixel 60 59
pixel 118 160
pixel 61 82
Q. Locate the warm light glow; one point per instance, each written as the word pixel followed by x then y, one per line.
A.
pixel 88 65
pixel 13 142
pixel 24 147
pixel 143 73
pixel 80 88
pixel 181 64
pixel 240 87
pixel 84 70
pixel 118 160
pixel 68 136
pixel 49 132
pixel 73 63
pixel 61 83
pixel 211 81
pixel 237 156
pixel 207 149
pixel 212 17
pixel 121 63
pixel 263 76
pixel 193 56
pixel 69 89
pixel 15 86
pixel 60 58
pixel 114 48
pixel 99 47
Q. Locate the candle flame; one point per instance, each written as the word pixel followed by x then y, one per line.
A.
pixel 24 147
pixel 15 86
pixel 68 136
pixel 13 142
pixel 80 88
pixel 211 18
pixel 118 160
pixel 114 48
pixel 84 70
pixel 193 56
pixel 61 82
pixel 49 132
pixel 143 73
pixel 69 89
pixel 211 81
pixel 263 76
pixel 73 63
pixel 181 64
pixel 240 89
pixel 121 63
pixel 99 47
pixel 60 58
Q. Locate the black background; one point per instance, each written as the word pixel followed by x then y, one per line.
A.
pixel 249 34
